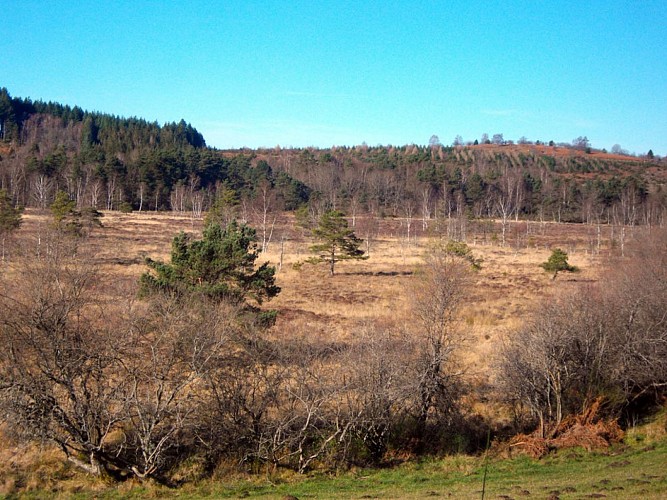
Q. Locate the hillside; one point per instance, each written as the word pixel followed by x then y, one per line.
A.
pixel 111 162
pixel 504 181
pixel 347 342
pixel 141 371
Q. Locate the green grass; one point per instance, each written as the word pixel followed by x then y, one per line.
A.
pixel 635 470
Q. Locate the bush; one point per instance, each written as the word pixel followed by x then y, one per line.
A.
pixel 606 342
pixel 558 262
pixel 125 207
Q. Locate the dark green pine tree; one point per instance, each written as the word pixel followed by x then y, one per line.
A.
pixel 336 240
pixel 68 219
pixel 220 266
pixel 65 215
pixel 558 262
pixel 8 123
pixel 10 218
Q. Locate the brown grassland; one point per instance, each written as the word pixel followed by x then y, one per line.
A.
pixel 376 290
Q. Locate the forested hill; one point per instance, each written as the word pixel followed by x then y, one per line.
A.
pixel 559 182
pixel 111 133
pixel 111 162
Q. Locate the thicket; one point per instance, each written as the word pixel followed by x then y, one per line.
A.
pixel 602 344
pixel 130 387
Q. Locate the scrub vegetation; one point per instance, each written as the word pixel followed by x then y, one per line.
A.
pixel 191 352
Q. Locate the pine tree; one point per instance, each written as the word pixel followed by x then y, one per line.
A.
pixel 337 241
pixel 558 262
pixel 220 266
pixel 224 207
pixel 10 218
pixel 65 215
pixel 67 218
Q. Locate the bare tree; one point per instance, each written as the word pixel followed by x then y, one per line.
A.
pixel 408 214
pixel 244 387
pixel 116 390
pixel 534 369
pixel 264 211
pixel 175 345
pixel 178 197
pixel 95 193
pixel 42 189
pixel 378 369
pixel 498 139
pixel 61 350
pixel 606 342
pixel 111 191
pixel 582 143
pixel 440 286
pixel 426 206
pixel 504 205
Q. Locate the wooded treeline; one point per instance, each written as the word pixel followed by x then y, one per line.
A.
pixel 111 163
pixel 507 182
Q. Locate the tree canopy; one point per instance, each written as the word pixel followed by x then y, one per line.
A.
pixel 336 240
pixel 219 266
pixel 10 216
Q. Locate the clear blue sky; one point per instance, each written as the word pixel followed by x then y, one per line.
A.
pixel 323 73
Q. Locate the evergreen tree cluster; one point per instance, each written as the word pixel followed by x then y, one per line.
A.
pixel 106 161
pixel 112 132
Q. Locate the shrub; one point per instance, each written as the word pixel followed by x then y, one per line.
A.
pixel 558 262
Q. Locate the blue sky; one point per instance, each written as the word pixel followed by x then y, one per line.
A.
pixel 293 73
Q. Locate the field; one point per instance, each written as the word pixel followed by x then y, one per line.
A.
pixel 377 291
pixel 631 471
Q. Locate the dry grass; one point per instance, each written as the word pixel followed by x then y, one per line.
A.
pixel 335 308
pixel 31 467
pixel 374 290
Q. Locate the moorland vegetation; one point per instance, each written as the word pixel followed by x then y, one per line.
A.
pixel 140 368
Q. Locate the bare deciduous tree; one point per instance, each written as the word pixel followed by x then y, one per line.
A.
pixel 606 342
pixel 175 344
pixel 440 286
pixel 59 356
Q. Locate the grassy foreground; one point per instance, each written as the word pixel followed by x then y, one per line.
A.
pixel 636 469
pixel 632 473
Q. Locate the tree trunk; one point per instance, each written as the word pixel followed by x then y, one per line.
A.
pixel 91 468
